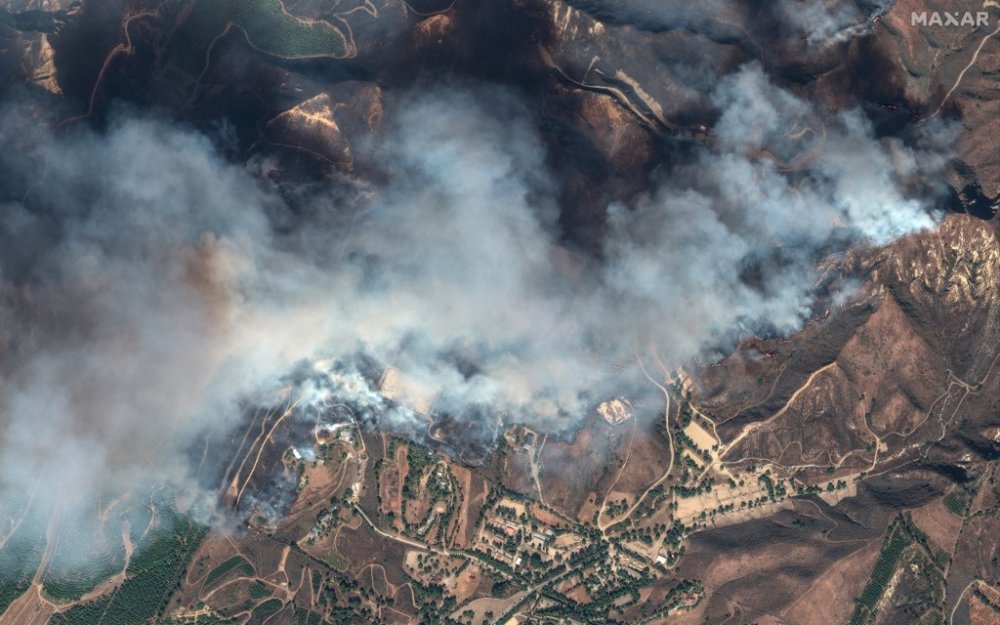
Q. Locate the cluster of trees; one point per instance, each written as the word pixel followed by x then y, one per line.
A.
pixel 616 508
pixel 417 458
pixel 508 513
pixel 684 589
pixel 693 491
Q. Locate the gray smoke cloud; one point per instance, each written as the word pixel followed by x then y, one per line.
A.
pixel 142 310
pixel 160 296
pixel 819 22
pixel 831 21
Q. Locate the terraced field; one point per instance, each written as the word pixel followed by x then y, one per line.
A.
pixel 79 566
pixel 66 585
pixel 266 25
pixel 65 581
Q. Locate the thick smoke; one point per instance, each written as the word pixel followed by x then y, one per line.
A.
pixel 454 272
pixel 158 295
pixel 829 21
pixel 819 22
pixel 715 17
pixel 144 299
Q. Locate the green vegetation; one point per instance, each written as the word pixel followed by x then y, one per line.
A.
pixel 64 585
pixel 267 608
pixel 957 501
pixel 79 566
pixel 418 458
pixel 765 479
pixel 307 617
pixel 259 591
pixel 439 486
pixel 106 557
pixel 336 561
pixel 266 25
pixel 22 553
pixel 217 574
pixel 684 590
pixel 892 547
pixel 153 574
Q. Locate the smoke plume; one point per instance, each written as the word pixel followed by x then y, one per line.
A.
pixel 154 292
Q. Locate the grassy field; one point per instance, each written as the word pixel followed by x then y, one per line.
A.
pixel 266 25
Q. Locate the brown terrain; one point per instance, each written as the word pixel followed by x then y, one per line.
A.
pixel 844 474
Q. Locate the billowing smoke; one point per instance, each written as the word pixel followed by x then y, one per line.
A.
pixel 157 295
pixel 829 21
pixel 137 314
pixel 819 22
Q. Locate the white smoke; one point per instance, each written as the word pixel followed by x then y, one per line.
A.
pixel 161 297
pixel 825 22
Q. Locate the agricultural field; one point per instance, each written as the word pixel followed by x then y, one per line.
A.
pixel 22 550
pixel 69 584
pixel 217 575
pixel 984 604
pixel 267 608
pixel 884 568
pixel 79 568
pixel 152 575
pixel 957 501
